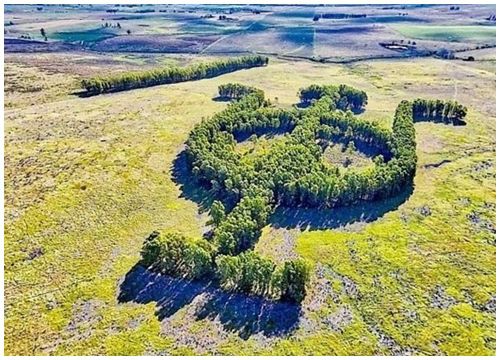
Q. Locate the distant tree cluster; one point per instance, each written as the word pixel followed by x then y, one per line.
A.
pixel 111 25
pixel 144 11
pixel 290 172
pixel 170 75
pixel 344 97
pixel 337 16
pixel 43 33
pixel 235 91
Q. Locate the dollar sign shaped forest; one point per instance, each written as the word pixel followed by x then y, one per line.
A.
pixel 289 173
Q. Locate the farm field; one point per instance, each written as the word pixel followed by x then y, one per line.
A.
pixel 448 33
pixel 290 31
pixel 87 179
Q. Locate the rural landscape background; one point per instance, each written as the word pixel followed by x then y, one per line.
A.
pixel 88 178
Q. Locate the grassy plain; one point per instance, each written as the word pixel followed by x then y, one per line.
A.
pixel 275 30
pixel 87 179
pixel 448 32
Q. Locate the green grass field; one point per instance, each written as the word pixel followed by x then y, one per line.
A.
pixel 448 33
pixel 87 36
pixel 87 179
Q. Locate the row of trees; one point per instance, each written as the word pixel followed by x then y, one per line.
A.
pixel 170 75
pixel 289 172
pixel 330 188
pixel 252 273
pixel 443 111
pixel 175 255
pixel 241 228
pixel 340 124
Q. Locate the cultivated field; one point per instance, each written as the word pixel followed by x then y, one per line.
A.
pixel 285 30
pixel 87 179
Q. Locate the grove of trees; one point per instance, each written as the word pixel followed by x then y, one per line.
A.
pixel 344 97
pixel 442 111
pixel 290 172
pixel 174 254
pixel 169 75
pixel 235 91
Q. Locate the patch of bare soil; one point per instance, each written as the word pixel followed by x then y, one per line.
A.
pixel 201 315
pixel 85 317
pixel 440 299
pixel 387 342
pixel 323 298
pixel 206 339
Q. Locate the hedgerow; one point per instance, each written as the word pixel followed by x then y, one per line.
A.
pixel 169 75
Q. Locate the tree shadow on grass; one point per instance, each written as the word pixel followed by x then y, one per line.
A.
pixel 239 313
pixel 439 120
pixel 191 188
pixel 251 314
pixel 321 219
pixel 222 99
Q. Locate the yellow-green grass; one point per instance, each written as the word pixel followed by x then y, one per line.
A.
pixel 467 33
pixel 87 179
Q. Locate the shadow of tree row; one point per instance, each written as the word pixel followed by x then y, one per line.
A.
pixel 303 218
pixel 239 313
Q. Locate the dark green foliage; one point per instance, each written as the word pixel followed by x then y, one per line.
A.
pixel 294 279
pixel 344 97
pixel 174 254
pixel 217 212
pixel 442 111
pixel 328 188
pixel 290 172
pixel 252 273
pixel 170 75
pixel 241 229
pixel 236 91
pixel 247 272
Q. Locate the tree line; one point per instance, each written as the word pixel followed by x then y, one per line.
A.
pixel 441 111
pixel 169 75
pixel 290 172
pixel 176 255
pixel 329 188
pixel 252 273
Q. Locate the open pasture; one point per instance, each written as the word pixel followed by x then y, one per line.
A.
pixel 87 179
pixel 332 33
pixel 478 34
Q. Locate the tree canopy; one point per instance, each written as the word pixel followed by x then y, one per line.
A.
pixel 170 75
pixel 290 172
